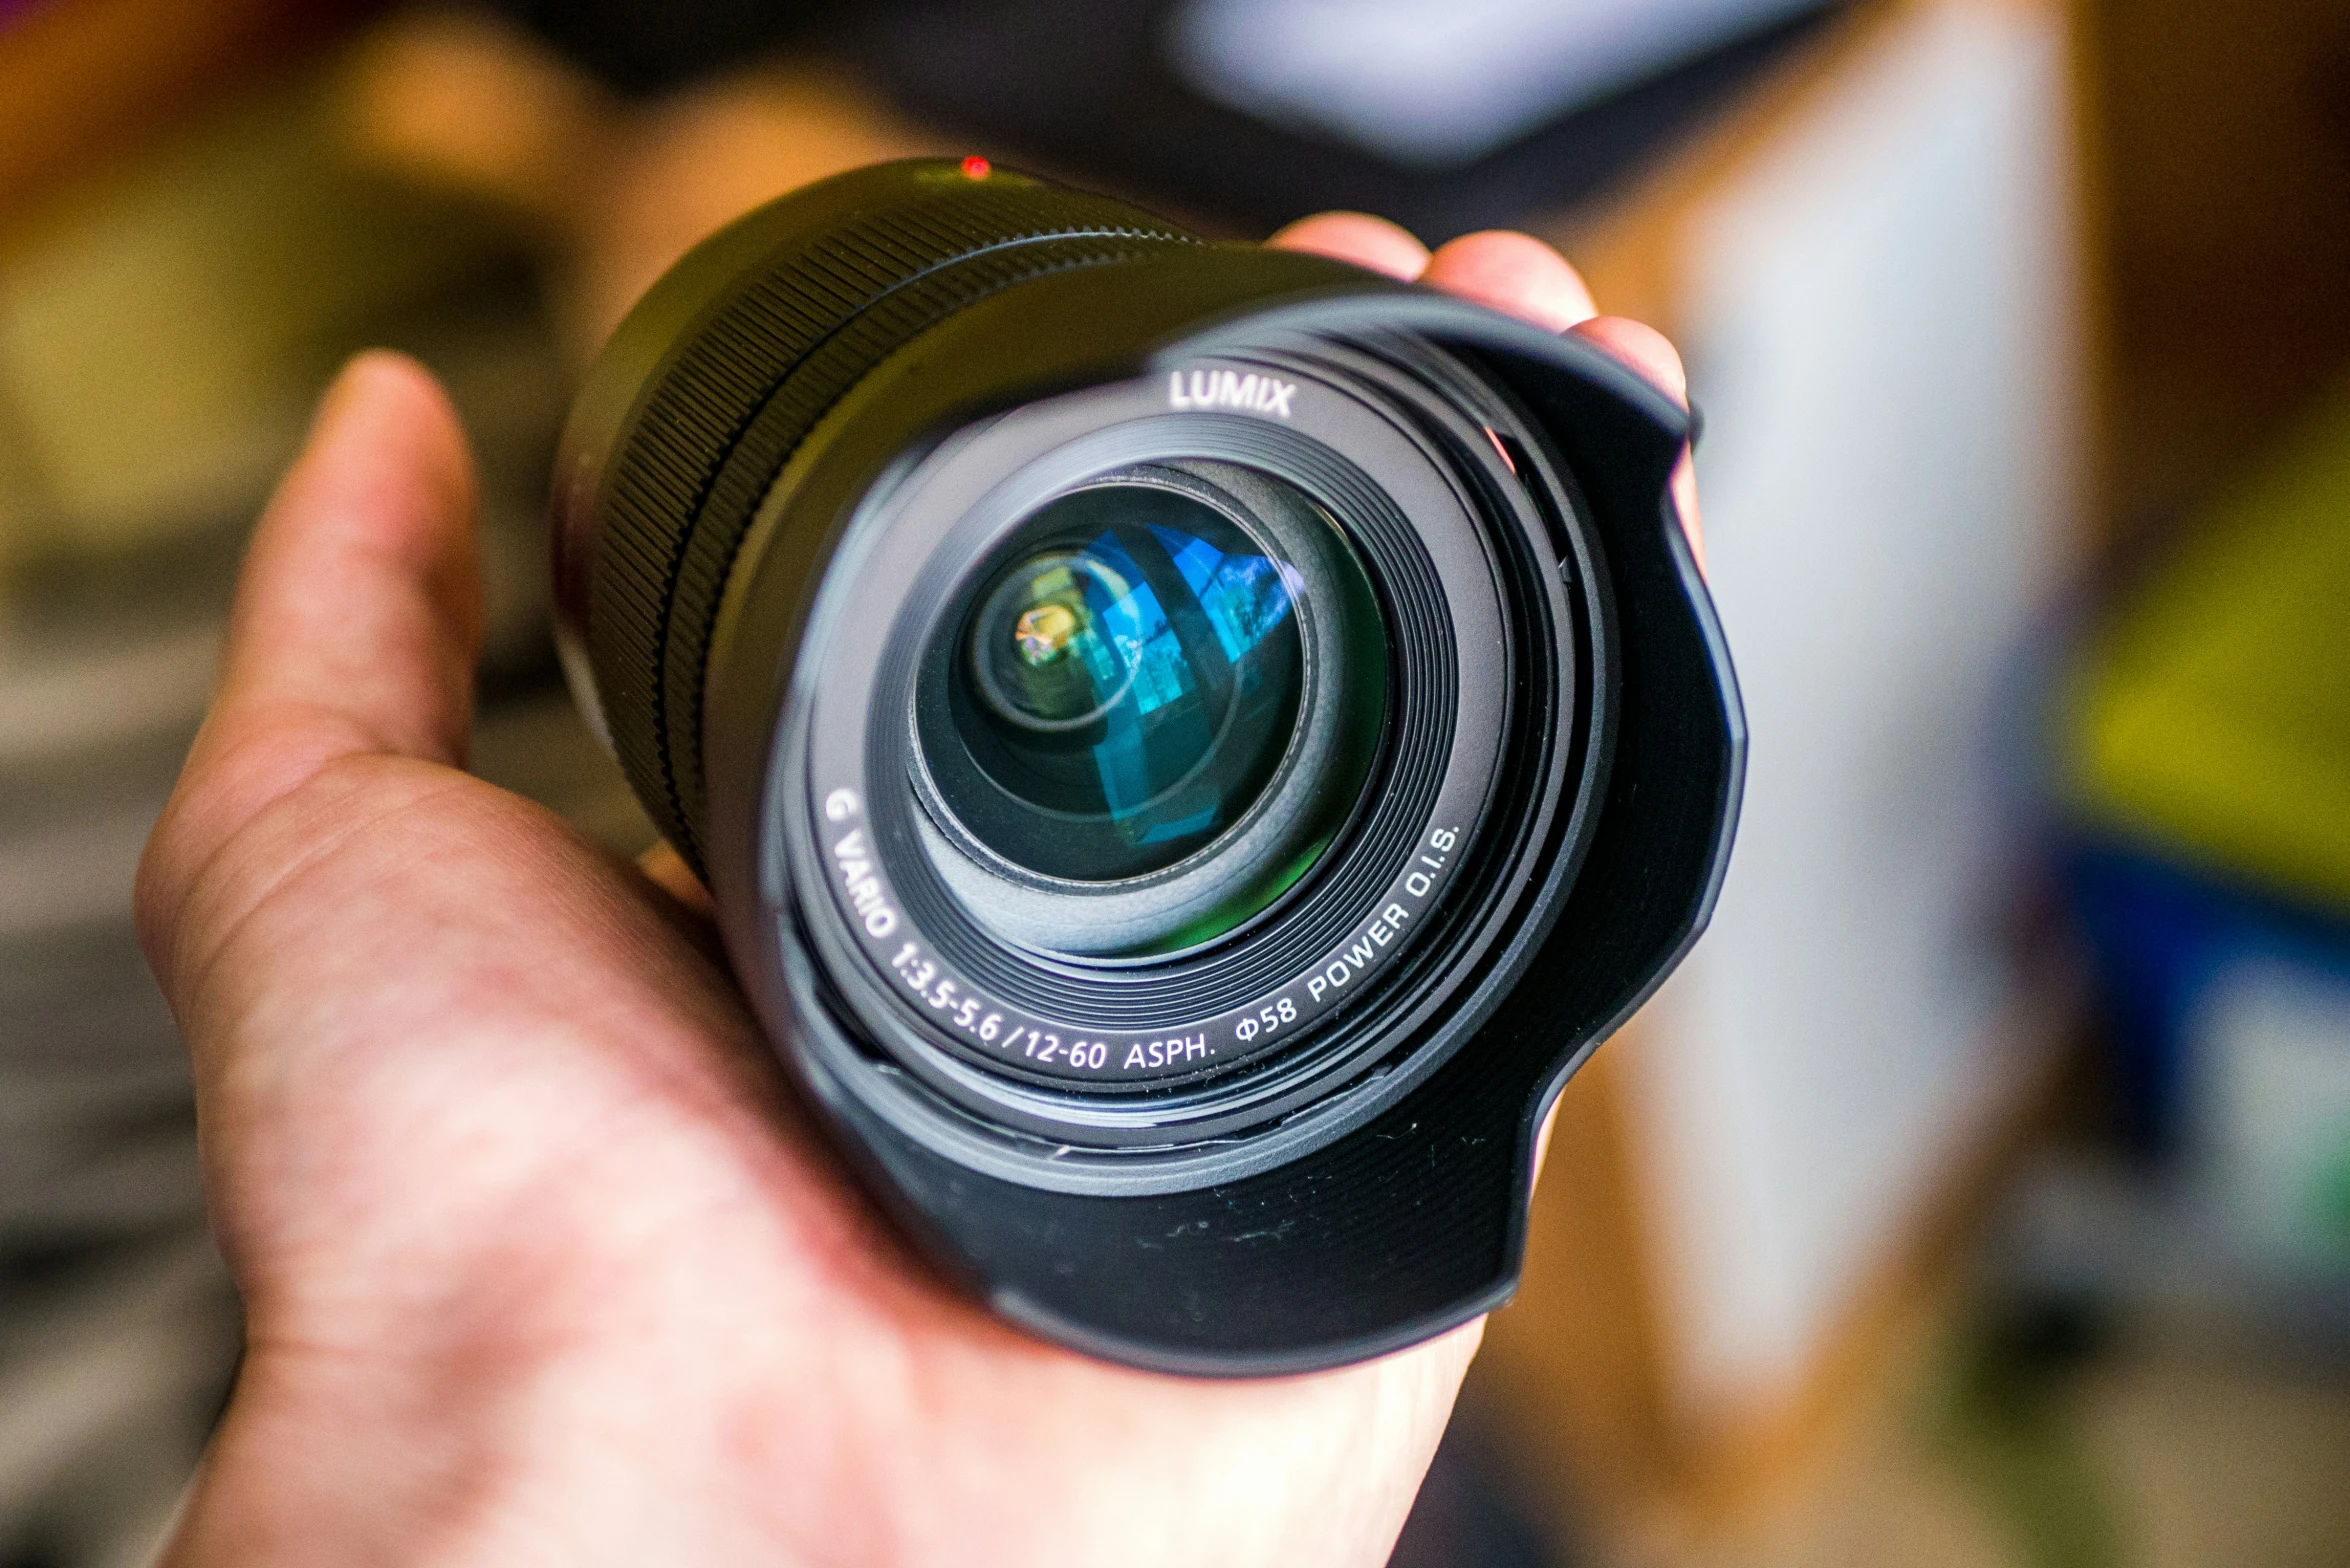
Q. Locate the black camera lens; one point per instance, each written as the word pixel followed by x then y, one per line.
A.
pixel 1150 711
pixel 1190 744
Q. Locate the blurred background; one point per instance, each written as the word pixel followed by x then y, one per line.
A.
pixel 1979 1193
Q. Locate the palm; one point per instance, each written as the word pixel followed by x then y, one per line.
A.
pixel 515 1118
pixel 540 1261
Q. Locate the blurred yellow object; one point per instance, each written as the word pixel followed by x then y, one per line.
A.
pixel 2213 715
pixel 165 327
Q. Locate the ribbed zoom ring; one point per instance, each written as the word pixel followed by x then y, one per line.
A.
pixel 784 341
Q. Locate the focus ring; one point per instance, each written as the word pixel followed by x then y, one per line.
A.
pixel 785 341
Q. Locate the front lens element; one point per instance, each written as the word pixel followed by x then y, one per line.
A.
pixel 1151 709
pixel 1132 676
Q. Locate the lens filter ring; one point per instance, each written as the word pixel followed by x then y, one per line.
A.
pixel 1441 734
pixel 1178 1048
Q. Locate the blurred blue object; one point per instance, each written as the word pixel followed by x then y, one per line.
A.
pixel 2230 1012
pixel 2161 936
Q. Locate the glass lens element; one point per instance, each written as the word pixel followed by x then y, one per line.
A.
pixel 1125 685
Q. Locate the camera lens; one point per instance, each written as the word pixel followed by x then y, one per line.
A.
pixel 1150 665
pixel 1189 744
pixel 1140 749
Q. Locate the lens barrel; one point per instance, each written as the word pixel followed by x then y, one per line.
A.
pixel 1191 744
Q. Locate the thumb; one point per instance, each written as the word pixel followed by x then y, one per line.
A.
pixel 354 630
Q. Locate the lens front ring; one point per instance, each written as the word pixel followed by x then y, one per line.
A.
pixel 1421 867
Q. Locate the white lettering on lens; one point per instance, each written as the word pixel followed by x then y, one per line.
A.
pixel 855 865
pixel 1166 1053
pixel 1230 389
pixel 1359 954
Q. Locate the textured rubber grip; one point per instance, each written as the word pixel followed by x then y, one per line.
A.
pixel 783 342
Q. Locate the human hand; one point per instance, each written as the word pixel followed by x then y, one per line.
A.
pixel 540 1261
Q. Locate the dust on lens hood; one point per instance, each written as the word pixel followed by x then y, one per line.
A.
pixel 1191 744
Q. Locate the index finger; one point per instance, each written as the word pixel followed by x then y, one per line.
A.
pixel 1523 277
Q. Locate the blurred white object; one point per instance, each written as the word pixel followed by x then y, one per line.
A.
pixel 1881 324
pixel 1438 85
pixel 2271 1045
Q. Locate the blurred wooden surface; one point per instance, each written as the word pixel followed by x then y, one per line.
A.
pixel 1575 1372
pixel 1575 1367
pixel 2223 169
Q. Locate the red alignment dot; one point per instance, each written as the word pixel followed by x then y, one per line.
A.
pixel 976 168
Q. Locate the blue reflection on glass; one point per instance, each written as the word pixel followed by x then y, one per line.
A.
pixel 1243 598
